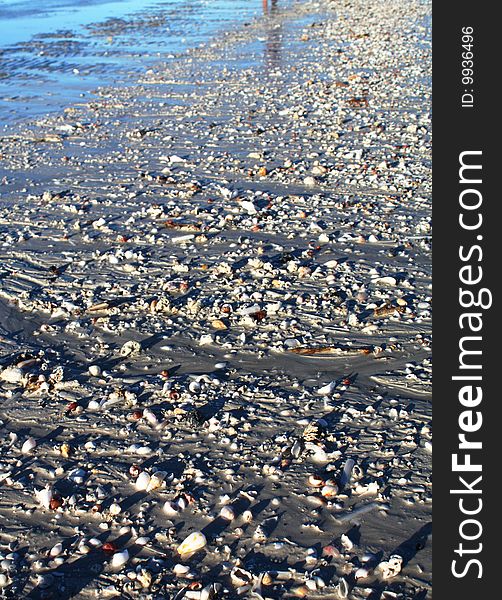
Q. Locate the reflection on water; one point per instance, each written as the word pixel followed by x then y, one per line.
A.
pixel 53 52
pixel 274 36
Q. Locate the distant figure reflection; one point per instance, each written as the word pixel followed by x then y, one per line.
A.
pixel 274 36
pixel 273 5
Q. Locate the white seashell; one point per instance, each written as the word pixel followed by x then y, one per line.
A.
pixel 346 542
pixel 194 542
pixel 170 509
pixel 150 416
pixel 95 370
pixel 347 472
pixel 130 348
pixel 327 390
pixel 389 568
pixel 119 559
pixel 12 375
pixel 93 405
pixel 143 481
pixel 329 491
pixel 181 570
pixel 342 589
pixel 142 541
pixel 210 591
pixel 370 488
pixel 44 497
pixel 227 513
pixel 362 573
pixel 28 445
pixel 247 516
pixel 56 550
pixel 240 577
pixel 249 207
pixel 318 454
pixel 156 481
pixel 115 509
pixel 83 548
pixel 182 503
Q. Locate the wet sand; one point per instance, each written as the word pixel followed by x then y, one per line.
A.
pixel 215 316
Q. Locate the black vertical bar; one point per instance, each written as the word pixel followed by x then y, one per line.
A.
pixel 467 129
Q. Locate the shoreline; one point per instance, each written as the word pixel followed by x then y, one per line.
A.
pixel 241 244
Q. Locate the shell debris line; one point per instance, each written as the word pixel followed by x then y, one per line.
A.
pixel 215 321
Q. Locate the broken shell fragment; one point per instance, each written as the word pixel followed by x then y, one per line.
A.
pixel 388 569
pixel 44 497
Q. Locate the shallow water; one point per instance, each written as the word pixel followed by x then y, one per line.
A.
pixel 55 54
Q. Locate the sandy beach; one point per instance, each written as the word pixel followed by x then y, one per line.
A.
pixel 215 320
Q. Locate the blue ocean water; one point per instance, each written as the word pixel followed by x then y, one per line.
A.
pixel 55 52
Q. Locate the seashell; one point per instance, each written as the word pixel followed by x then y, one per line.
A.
pixel 12 375
pixel 143 481
pixel 211 591
pixel 346 542
pixel 218 324
pixel 346 473
pixel 318 454
pixel 156 481
pixel 181 570
pixel 95 370
pixel 240 577
pixel 145 578
pixel 327 390
pixel 193 543
pixel 315 481
pixel 77 476
pixel 389 568
pixel 44 497
pixel 115 509
pixel 130 348
pixel 65 449
pixel 170 509
pixel 342 589
pixel 119 559
pixel 227 513
pixel 247 516
pixel 370 488
pixel 28 445
pixel 329 491
pixel 297 448
pixel 300 591
pixel 142 541
pixel 150 416
pixel 56 550
pixel 362 573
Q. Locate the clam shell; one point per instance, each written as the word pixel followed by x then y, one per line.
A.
pixel 143 481
pixel 28 445
pixel 156 481
pixel 227 513
pixel 119 559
